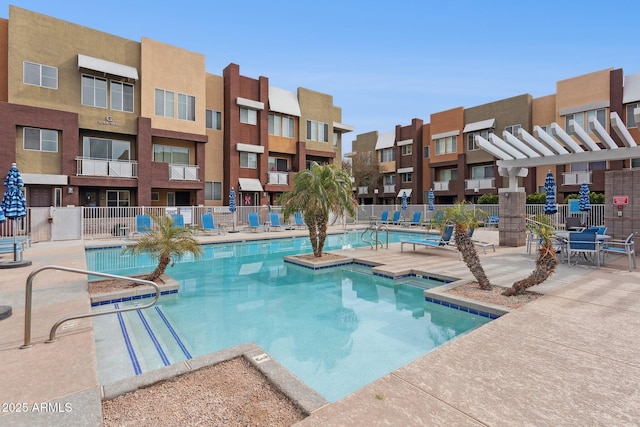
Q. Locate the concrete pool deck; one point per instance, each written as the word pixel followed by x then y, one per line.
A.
pixel 569 358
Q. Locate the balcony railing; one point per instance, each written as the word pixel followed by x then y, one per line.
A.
pixel 183 172
pixel 363 190
pixel 441 186
pixel 87 166
pixel 472 184
pixel 389 188
pixel 279 178
pixel 576 178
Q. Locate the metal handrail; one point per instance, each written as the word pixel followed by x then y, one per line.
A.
pixel 52 334
pixel 375 242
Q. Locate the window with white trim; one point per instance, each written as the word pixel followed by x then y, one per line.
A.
pixel 39 75
pixel 582 119
pixel 336 139
pixel 155 196
pixel 94 91
pixel 448 175
pixel 446 145
pixel 40 140
pixel 513 129
pixel 278 164
pixel 118 198
pixel 631 119
pixel 472 145
pixel 281 125
pixel 213 190
pixel 121 96
pixel 248 116
pixel 407 150
pixel 213 119
pixel 390 179
pixel 170 154
pixel 406 177
pixel 186 107
pixel 248 160
pixel 164 103
pixel 109 149
pixel 387 155
pixel 635 163
pixel 317 131
pixel 482 172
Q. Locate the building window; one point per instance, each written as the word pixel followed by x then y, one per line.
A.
pixel 39 75
pixel 547 129
pixel 281 125
pixel 407 150
pixel 248 160
pixel 390 179
pixel 170 154
pixel 448 175
pixel 336 139
pixel 214 119
pixel 317 131
pixel 426 151
pixel 122 96
pixel 57 197
pixel 164 103
pixel 212 190
pixel 387 155
pixel 118 198
pixel 406 177
pixel 40 140
pixel 278 164
pixel 588 166
pixel 472 145
pixel 482 172
pixel 446 145
pixel 631 119
pixel 186 107
pixel 635 163
pixel 248 116
pixel 600 116
pixel 583 121
pixel 155 196
pixel 110 149
pixel 513 129
pixel 94 91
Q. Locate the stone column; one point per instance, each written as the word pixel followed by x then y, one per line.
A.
pixel 512 213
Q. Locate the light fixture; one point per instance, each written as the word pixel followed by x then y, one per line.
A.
pixel 70 190
pixel 506 194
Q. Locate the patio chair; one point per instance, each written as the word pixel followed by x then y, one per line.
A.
pixel 254 222
pixel 396 218
pixel 492 221
pixel 435 222
pixel 143 225
pixel 441 243
pixel 622 247
pixel 178 220
pixel 275 221
pixel 384 218
pixel 298 221
pixel 573 223
pixel 415 220
pixel 208 224
pixel 483 245
pixel 584 243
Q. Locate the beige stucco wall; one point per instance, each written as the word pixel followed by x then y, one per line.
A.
pixel 213 149
pixel 543 113
pixel 65 41
pixel 581 91
pixel 30 161
pixel 447 121
pixel 318 107
pixel 182 71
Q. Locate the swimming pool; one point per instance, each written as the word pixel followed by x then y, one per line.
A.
pixel 337 329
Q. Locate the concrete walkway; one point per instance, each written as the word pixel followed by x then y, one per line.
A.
pixel 569 358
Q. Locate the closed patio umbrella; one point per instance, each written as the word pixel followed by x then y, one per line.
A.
pixel 233 207
pixel 550 189
pixel 431 197
pixel 14 204
pixel 404 200
pixel 584 204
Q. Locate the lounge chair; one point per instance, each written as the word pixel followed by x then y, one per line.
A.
pixel 143 225
pixel 622 247
pixel 254 223
pixel 441 243
pixel 415 220
pixel 208 224
pixel 178 220
pixel 384 218
pixel 435 222
pixel 483 245
pixel 275 221
pixel 492 221
pixel 396 218
pixel 298 221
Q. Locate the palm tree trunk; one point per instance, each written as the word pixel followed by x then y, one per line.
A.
pixel 546 262
pixel 160 269
pixel 322 234
pixel 470 257
pixel 313 236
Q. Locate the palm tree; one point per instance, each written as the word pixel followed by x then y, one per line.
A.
pixel 317 192
pixel 464 220
pixel 546 260
pixel 166 242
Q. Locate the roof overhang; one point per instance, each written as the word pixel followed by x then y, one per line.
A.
pixel 250 184
pixel 386 140
pixel 44 179
pixel 250 148
pixel 250 103
pixel 481 125
pixel 342 127
pixel 405 170
pixel 405 190
pixel 631 90
pixel 283 101
pixel 107 67
pixel 445 134
pixel 404 142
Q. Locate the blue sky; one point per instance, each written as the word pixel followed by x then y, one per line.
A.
pixel 384 62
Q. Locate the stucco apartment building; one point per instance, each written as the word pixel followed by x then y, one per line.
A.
pixel 456 168
pixel 93 119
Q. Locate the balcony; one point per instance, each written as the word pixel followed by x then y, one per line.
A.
pixel 576 178
pixel 183 172
pixel 103 167
pixel 363 190
pixel 480 184
pixel 278 178
pixel 441 186
pixel 389 188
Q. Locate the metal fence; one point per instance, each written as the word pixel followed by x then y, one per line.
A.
pixel 103 222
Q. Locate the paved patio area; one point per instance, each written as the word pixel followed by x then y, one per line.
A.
pixel 569 358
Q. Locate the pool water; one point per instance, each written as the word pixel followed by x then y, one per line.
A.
pixel 337 329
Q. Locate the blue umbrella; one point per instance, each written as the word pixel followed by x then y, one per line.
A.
pixel 404 200
pixel 14 204
pixel 550 189
pixel 432 198
pixel 232 206
pixel 584 204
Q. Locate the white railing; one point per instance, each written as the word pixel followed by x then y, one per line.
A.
pixel 472 184
pixel 389 188
pixel 183 172
pixel 576 178
pixel 441 186
pixel 279 178
pixel 103 167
